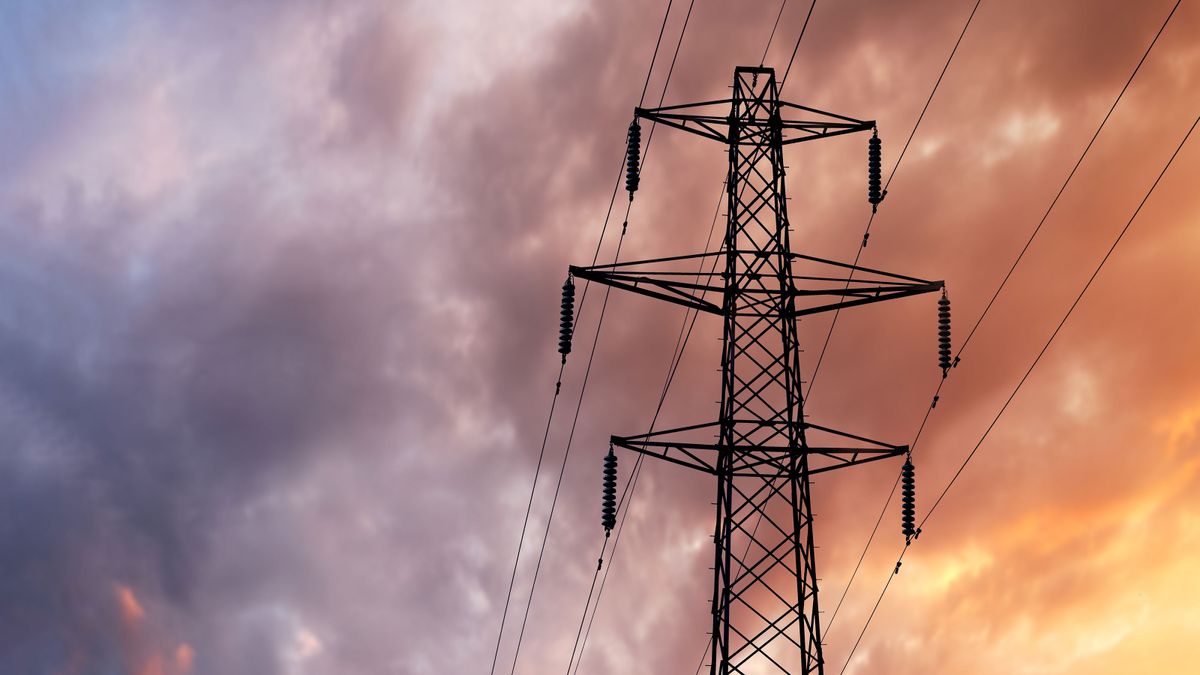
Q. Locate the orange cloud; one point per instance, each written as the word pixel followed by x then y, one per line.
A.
pixel 184 655
pixel 131 610
pixel 140 648
pixel 1104 587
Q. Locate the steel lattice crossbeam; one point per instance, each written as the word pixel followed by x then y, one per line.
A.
pixel 761 449
pixel 826 448
pixel 664 278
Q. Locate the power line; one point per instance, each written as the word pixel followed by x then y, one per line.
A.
pixel 797 47
pixel 1028 371
pixel 566 455
pixel 1000 288
pixel 558 382
pixel 681 343
pixel 541 453
pixel 1058 328
pixel 657 43
pixel 631 485
pixel 596 338
pixel 678 353
pixel 1073 170
pixel 766 49
pixel 900 158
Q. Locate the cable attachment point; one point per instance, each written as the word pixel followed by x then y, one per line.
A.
pixel 608 512
pixel 566 317
pixel 908 501
pixel 874 164
pixel 633 151
pixel 944 361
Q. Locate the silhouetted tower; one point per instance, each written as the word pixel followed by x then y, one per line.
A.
pixel 761 449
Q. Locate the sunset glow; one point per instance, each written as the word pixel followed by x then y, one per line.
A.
pixel 280 293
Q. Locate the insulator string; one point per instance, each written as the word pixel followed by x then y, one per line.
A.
pixel 633 150
pixel 874 162
pixel 909 503
pixel 944 334
pixel 566 318
pixel 608 510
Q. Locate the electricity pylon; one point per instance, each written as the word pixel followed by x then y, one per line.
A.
pixel 761 449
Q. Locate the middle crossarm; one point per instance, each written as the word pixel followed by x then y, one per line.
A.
pixel 822 288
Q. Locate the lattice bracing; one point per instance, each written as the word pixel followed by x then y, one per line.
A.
pixel 761 449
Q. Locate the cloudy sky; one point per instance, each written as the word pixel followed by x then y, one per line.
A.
pixel 278 308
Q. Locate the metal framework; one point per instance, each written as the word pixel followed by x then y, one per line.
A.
pixel 762 450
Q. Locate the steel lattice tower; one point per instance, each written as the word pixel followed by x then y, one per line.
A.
pixel 761 449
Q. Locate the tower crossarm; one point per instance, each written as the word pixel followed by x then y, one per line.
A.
pixel 825 450
pixel 815 285
pixel 711 119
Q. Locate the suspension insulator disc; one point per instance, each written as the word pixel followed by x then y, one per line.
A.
pixel 633 151
pixel 944 334
pixel 874 164
pixel 908 499
pixel 566 318
pixel 608 510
